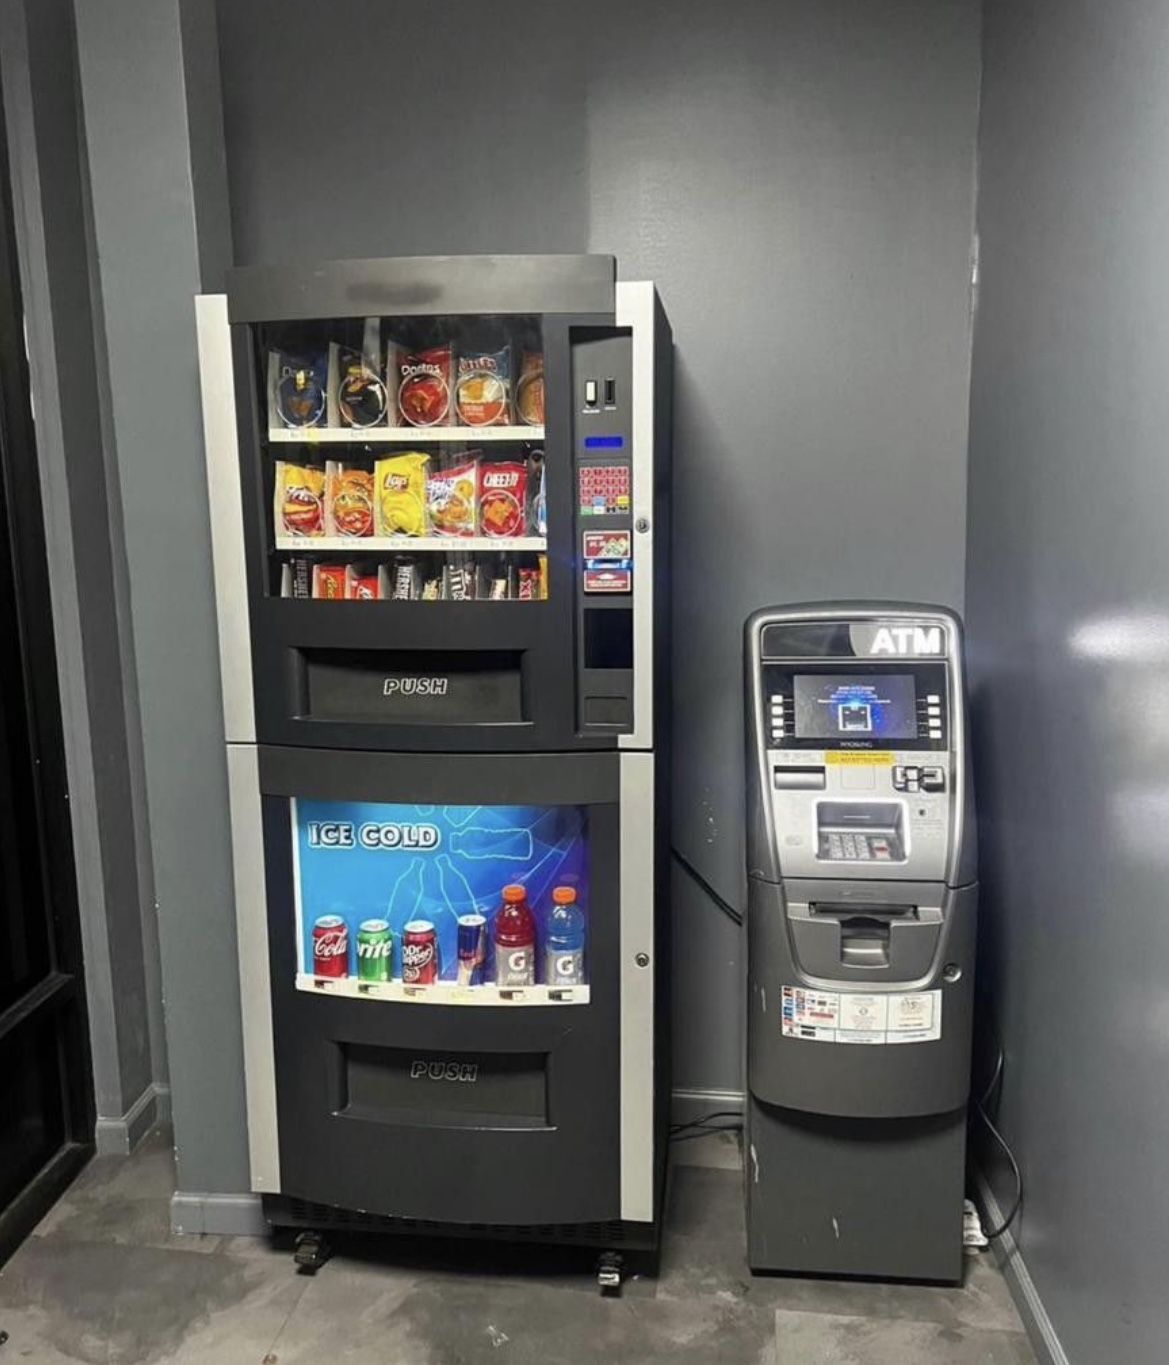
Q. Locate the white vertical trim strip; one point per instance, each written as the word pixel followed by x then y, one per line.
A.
pixel 635 310
pixel 255 985
pixel 637 986
pixel 227 525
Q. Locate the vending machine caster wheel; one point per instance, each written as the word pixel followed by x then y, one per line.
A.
pixel 312 1251
pixel 610 1272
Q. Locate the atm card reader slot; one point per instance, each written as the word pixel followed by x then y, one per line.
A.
pixel 860 831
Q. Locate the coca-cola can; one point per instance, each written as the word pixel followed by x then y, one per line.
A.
pixel 419 953
pixel 330 946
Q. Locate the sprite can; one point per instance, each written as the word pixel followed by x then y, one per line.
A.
pixel 375 951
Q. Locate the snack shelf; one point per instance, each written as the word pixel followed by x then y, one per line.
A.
pixel 443 992
pixel 363 546
pixel 415 436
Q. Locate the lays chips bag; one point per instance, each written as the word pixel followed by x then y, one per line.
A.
pixel 400 494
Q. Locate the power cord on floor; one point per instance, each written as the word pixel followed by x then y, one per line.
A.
pixel 724 905
pixel 700 1127
pixel 980 1108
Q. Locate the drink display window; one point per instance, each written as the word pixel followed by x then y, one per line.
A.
pixel 405 458
pixel 441 904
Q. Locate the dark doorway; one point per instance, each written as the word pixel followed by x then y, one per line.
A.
pixel 46 1084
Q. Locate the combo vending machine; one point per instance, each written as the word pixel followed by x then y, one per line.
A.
pixel 439 504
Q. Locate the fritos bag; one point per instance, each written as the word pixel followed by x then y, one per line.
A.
pixel 299 500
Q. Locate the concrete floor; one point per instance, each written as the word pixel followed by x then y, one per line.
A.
pixel 104 1281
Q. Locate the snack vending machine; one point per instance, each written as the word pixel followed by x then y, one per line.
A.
pixel 438 491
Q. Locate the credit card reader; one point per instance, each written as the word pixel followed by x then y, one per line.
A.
pixel 860 939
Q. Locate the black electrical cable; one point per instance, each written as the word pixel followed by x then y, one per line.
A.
pixel 706 1118
pixel 980 1108
pixel 724 905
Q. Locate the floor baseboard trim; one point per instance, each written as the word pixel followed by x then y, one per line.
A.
pixel 688 1105
pixel 119 1136
pixel 1040 1329
pixel 224 1215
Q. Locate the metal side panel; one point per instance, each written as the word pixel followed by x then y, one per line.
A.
pixel 637 987
pixel 227 527
pixel 635 310
pixel 251 913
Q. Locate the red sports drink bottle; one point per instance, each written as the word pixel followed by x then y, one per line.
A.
pixel 515 940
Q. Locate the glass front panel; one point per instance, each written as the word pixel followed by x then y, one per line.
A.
pixel 406 458
pixel 442 904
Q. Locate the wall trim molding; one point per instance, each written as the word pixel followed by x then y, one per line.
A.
pixel 688 1105
pixel 119 1136
pixel 226 1215
pixel 1009 1259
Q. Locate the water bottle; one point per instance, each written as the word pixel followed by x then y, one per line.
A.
pixel 565 941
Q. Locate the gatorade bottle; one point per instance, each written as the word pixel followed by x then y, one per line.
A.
pixel 564 948
pixel 515 940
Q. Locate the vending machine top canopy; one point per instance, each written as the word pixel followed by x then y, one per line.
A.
pixel 423 286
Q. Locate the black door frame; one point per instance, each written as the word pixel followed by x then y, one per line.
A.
pixel 30 664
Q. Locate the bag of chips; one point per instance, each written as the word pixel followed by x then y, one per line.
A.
pixel 400 494
pixel 424 383
pixel 452 506
pixel 483 389
pixel 348 500
pixel 529 398
pixel 360 393
pixel 298 389
pixel 299 500
pixel 503 492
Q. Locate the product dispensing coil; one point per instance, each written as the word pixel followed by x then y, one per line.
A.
pixel 860 939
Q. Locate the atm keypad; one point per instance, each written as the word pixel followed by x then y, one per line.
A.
pixel 838 846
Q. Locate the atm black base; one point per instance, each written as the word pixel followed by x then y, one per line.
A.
pixel 879 1198
pixel 637 1240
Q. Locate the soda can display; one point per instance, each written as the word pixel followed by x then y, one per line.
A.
pixel 472 949
pixel 375 950
pixel 419 953
pixel 330 946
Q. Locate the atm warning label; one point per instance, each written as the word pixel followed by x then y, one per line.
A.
pixel 879 758
pixel 856 1017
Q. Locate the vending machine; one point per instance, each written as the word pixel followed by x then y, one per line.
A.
pixel 861 914
pixel 439 505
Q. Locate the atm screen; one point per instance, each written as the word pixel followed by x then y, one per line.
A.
pixel 868 706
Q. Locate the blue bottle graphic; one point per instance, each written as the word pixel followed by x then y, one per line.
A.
pixel 564 942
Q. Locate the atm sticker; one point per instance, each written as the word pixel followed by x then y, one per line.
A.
pixel 879 758
pixel 853 1017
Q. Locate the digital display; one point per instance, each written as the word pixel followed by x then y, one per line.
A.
pixel 604 442
pixel 865 706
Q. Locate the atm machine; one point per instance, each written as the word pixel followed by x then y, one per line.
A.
pixel 860 925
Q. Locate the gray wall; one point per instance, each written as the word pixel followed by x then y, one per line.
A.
pixel 797 177
pixel 88 580
pixel 158 240
pixel 1068 617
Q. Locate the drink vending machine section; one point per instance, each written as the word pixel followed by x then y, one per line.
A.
pixel 438 496
pixel 860 940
